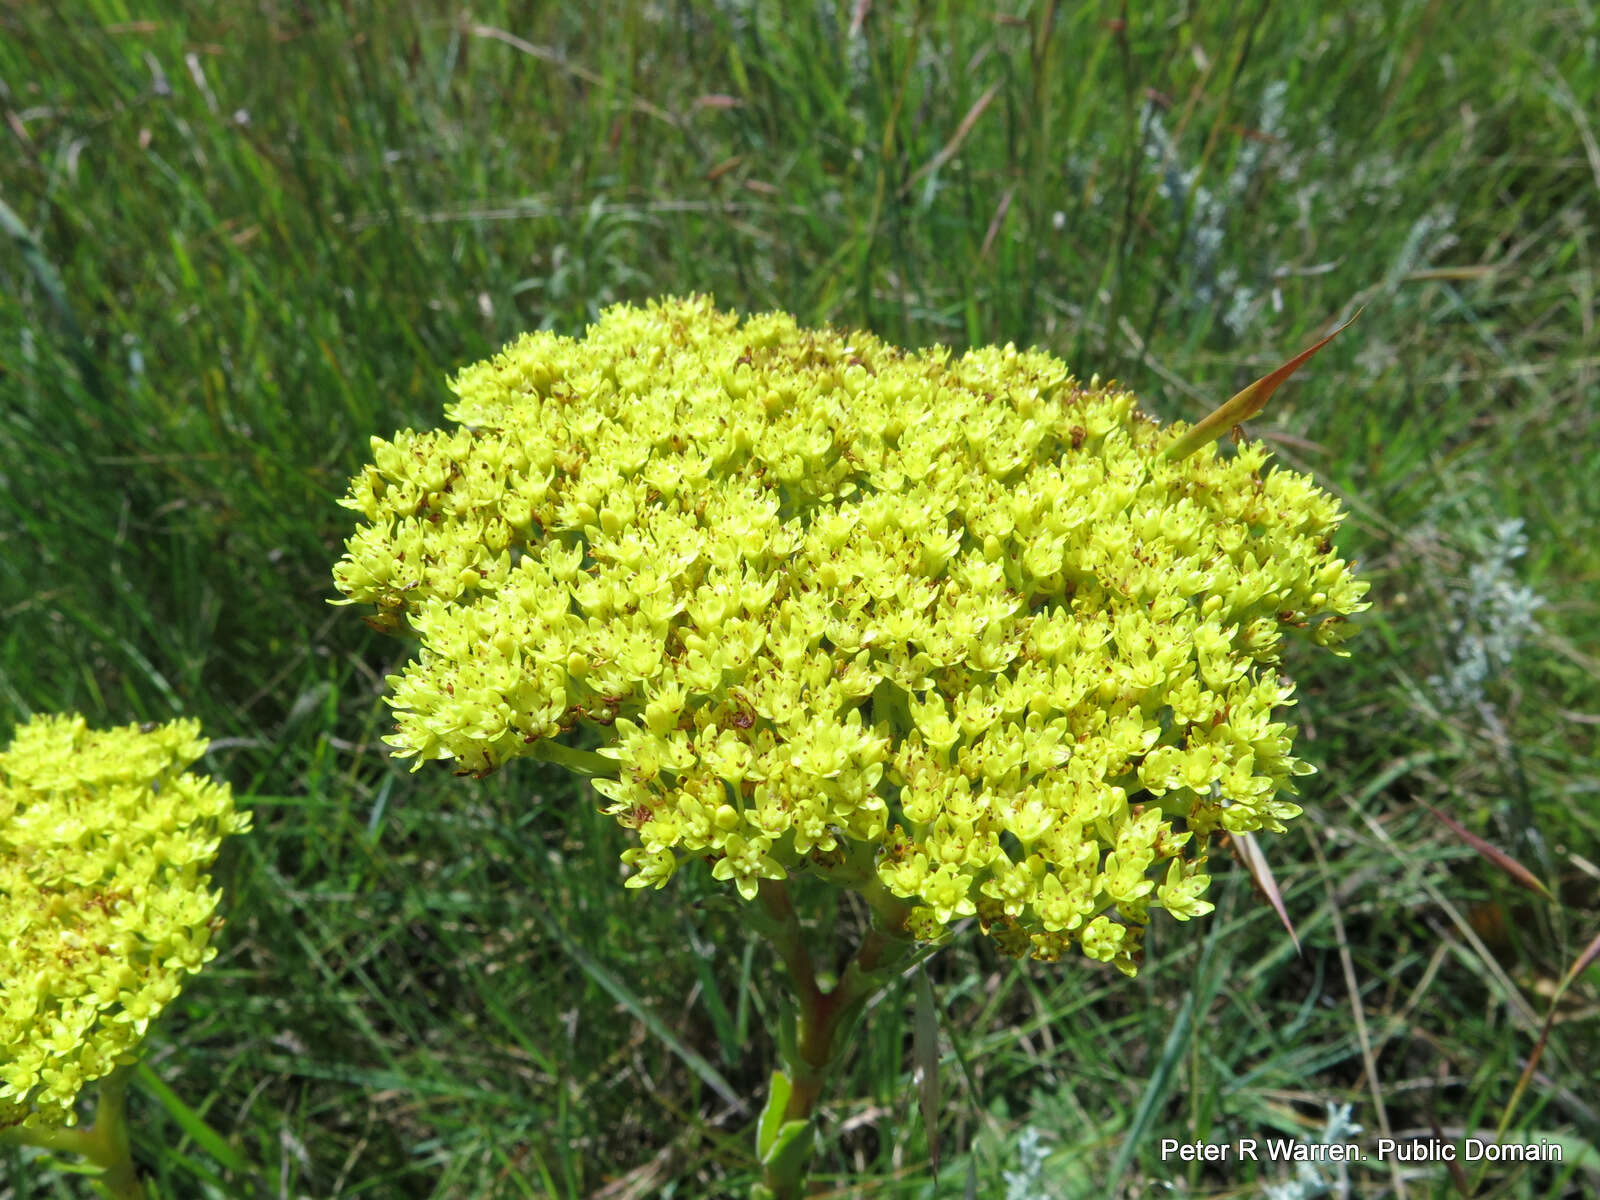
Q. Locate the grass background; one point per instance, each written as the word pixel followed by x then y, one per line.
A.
pixel 243 238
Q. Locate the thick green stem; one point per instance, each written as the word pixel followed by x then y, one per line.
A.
pixel 822 1016
pixel 106 1143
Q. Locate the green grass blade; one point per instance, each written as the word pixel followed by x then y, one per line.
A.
pixel 626 997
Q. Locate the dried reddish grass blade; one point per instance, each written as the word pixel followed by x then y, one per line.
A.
pixel 1513 869
pixel 948 151
pixel 1579 966
pixel 998 220
pixel 858 17
pixel 723 167
pixel 1247 403
pixel 1583 961
pixel 1249 853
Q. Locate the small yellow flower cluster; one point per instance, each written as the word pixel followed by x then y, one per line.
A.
pixel 105 845
pixel 832 598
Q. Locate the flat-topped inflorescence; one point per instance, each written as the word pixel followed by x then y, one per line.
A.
pixel 952 621
pixel 106 844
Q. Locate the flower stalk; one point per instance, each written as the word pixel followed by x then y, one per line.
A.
pixel 812 1036
pixel 106 1143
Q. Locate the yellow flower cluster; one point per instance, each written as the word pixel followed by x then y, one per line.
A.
pixel 105 905
pixel 833 599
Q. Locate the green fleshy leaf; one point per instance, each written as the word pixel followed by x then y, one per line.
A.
pixel 772 1115
pixel 788 1034
pixel 786 1158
